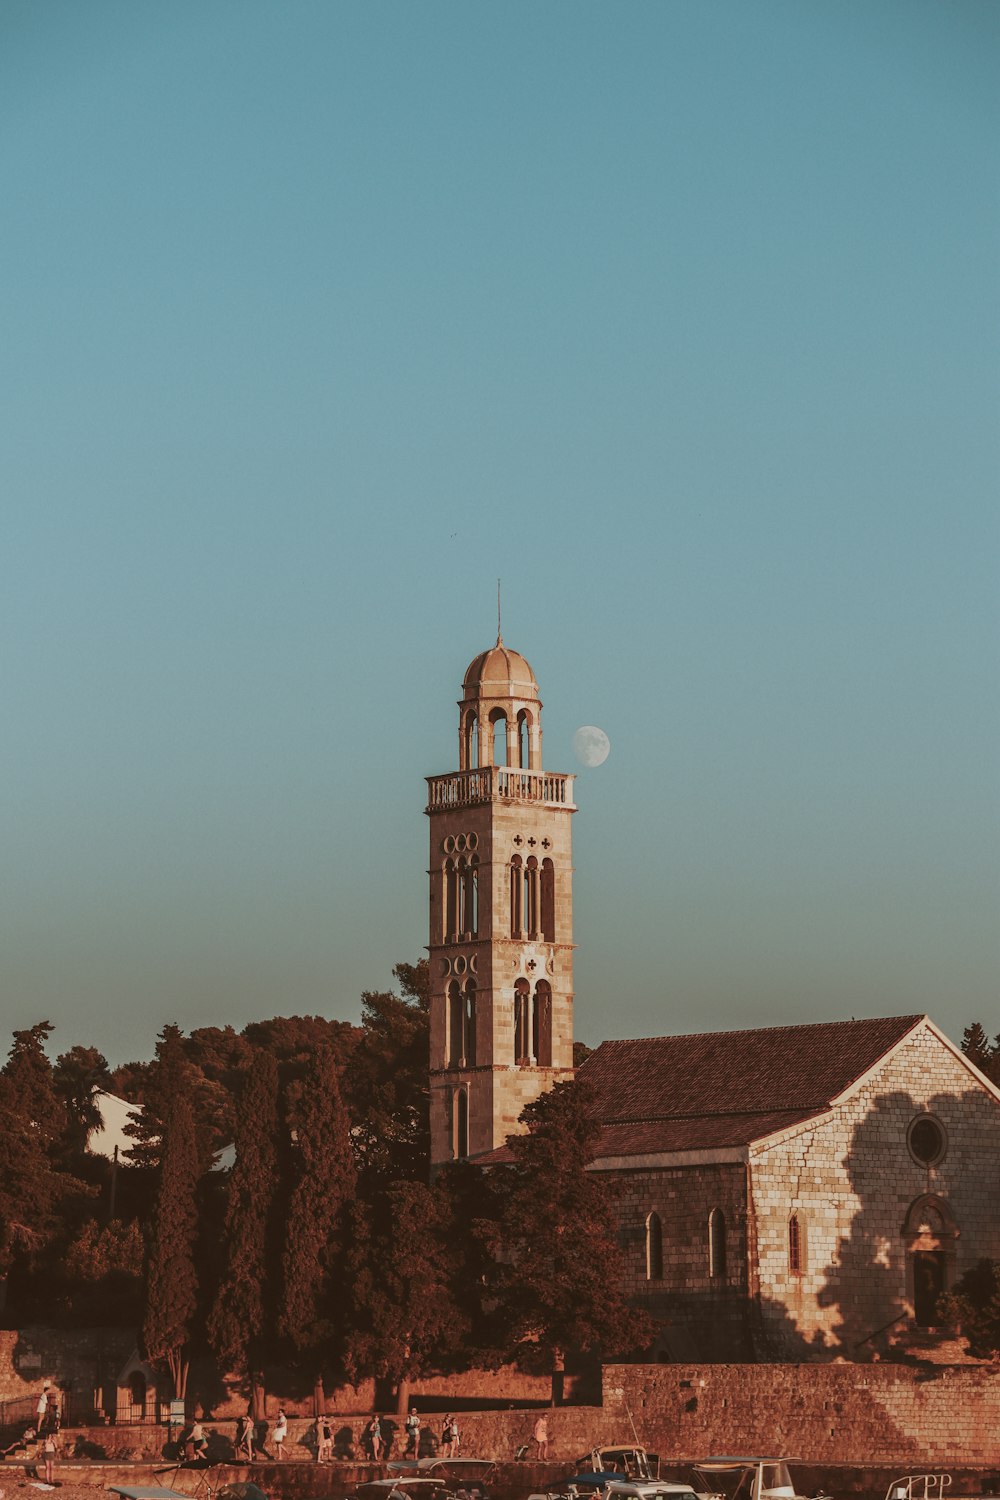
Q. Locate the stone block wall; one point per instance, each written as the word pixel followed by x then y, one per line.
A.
pixel 851 1181
pixel 702 1316
pixel 916 1418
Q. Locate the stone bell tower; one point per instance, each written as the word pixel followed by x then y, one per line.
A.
pixel 501 915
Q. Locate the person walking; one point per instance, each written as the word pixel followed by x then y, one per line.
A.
pixel 446 1437
pixel 244 1438
pixel 280 1433
pixel 373 1437
pixel 41 1408
pixel 324 1441
pixel 412 1434
pixel 456 1440
pixel 197 1441
pixel 541 1435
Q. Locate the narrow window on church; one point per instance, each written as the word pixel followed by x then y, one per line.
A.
pixel 472 897
pixel 456 1027
pixel 462 1124
pixel 541 1024
pixel 796 1246
pixel 531 897
pixel 450 902
pixel 498 719
pixel 469 1024
pixel 463 896
pixel 522 1022
pixel 654 1248
pixel 523 753
pixel 548 901
pixel 515 896
pixel 717 1244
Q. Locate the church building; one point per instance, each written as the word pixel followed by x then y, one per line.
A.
pixel 799 1192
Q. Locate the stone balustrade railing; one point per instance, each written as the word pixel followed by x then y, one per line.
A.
pixel 499 783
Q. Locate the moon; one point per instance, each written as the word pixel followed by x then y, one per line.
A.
pixel 591 745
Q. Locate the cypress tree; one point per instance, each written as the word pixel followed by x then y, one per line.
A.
pixel 313 1313
pixel 240 1320
pixel 171 1275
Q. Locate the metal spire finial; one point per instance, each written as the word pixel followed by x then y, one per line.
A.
pixel 499 635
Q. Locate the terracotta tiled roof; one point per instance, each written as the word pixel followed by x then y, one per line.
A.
pixel 682 1093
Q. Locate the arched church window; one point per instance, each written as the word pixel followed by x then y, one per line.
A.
pixel 456 1025
pixel 498 720
pixel 462 923
pixel 450 901
pixel 717 1244
pixel 469 1024
pixel 541 1024
pixel 529 910
pixel 796 1245
pixel 548 901
pixel 462 1124
pixel 472 897
pixel 522 1022
pixel 654 1248
pixel 516 876
pixel 523 742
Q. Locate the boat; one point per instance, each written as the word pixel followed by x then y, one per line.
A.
pixel 745 1478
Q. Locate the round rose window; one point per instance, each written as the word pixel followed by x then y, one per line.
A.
pixel 925 1139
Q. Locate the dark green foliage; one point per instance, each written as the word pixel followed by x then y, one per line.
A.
pixel 980 1050
pixel 558 1264
pixel 324 1182
pixel 240 1315
pixel 974 1304
pixel 387 1092
pixel 407 1319
pixel 171 1276
pixel 78 1076
pixel 33 1192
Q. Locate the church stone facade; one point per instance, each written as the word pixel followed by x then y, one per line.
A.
pixel 800 1192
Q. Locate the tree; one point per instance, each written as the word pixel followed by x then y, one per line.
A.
pixel 171 1276
pixel 79 1076
pixel 33 1193
pixel 406 1316
pixel 312 1315
pixel 387 1089
pixel 558 1265
pixel 240 1317
pixel 974 1304
pixel 978 1049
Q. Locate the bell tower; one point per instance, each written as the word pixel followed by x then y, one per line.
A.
pixel 501 915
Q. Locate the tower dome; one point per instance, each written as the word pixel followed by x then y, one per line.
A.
pixel 499 673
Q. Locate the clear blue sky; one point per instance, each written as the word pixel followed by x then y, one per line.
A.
pixel 680 317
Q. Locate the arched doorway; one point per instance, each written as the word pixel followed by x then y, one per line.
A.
pixel 929 1236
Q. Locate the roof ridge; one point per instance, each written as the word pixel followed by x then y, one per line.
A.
pixel 677 1036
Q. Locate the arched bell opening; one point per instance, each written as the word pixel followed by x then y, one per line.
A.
pixel 498 722
pixel 541 1024
pixel 524 723
pixel 522 1023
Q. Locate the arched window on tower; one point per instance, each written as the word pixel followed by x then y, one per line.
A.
pixel 462 922
pixel 529 910
pixel 541 1024
pixel 523 741
pixel 470 742
pixel 472 897
pixel 717 1244
pixel 548 901
pixel 469 1024
pixel 796 1246
pixel 654 1248
pixel 522 1022
pixel 516 893
pixel 456 1025
pixel 498 720
pixel 462 1124
pixel 450 901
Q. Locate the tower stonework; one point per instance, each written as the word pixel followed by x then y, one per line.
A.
pixel 501 916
